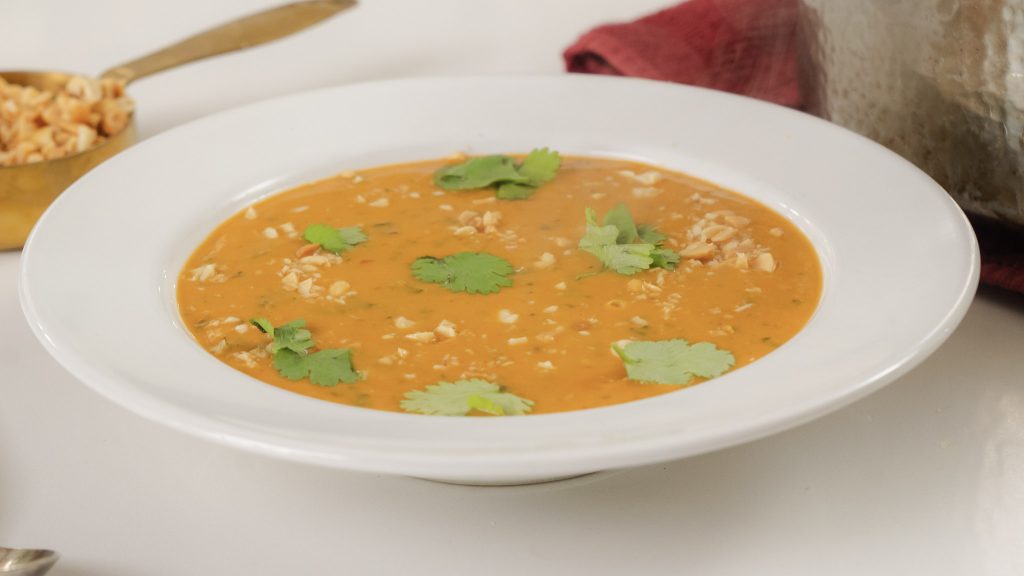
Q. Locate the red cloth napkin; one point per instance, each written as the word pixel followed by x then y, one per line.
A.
pixel 1002 255
pixel 747 47
pixel 742 46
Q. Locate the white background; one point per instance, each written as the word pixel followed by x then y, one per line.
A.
pixel 924 477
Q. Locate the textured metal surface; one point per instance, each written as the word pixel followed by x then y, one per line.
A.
pixel 941 82
pixel 26 562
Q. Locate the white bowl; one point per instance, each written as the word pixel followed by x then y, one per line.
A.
pixel 900 266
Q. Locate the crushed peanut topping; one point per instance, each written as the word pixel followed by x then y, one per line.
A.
pixel 289 229
pixel 646 192
pixel 207 273
pixel 422 337
pixel 445 329
pixel 546 260
pixel 338 290
pixel 650 177
pixel 302 275
pixel 507 317
pixel 37 125
pixel 721 237
pixel 472 222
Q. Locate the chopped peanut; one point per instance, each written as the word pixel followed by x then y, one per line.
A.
pixel 204 272
pixel 307 250
pixel 698 251
pixel 546 260
pixel 339 288
pixel 646 192
pixel 765 262
pixel 445 329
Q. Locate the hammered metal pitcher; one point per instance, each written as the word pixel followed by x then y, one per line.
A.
pixel 940 82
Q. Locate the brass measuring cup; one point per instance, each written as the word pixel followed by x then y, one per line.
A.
pixel 27 189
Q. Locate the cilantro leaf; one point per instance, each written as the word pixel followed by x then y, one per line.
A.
pixel 323 368
pixel 263 324
pixel 627 259
pixel 513 181
pixel 664 258
pixel 430 269
pixel 290 364
pixel 648 234
pixel 620 217
pixel 352 235
pixel 292 336
pixel 623 246
pixel 598 235
pixel 328 367
pixel 336 240
pixel 515 191
pixel 601 241
pixel 540 165
pixel 459 398
pixel 292 359
pixel 673 361
pixel 473 272
pixel 484 404
pixel 479 173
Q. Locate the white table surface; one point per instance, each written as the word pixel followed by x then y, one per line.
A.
pixel 924 477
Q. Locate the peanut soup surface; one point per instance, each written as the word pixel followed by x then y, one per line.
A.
pixel 495 286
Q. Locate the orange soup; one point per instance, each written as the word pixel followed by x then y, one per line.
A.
pixel 498 285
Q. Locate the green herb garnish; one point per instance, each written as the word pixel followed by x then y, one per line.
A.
pixel 473 272
pixel 291 357
pixel 462 396
pixel 336 240
pixel 512 181
pixel 624 247
pixel 292 336
pixel 673 361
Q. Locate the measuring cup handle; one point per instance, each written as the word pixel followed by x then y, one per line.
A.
pixel 235 35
